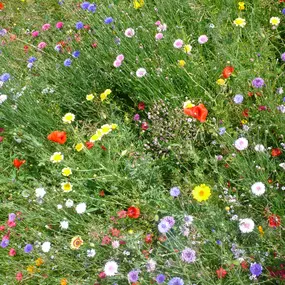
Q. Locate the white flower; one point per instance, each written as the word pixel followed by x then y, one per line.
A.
pixel 151 264
pixel 91 252
pixel 282 165
pixel 3 98
pixel 40 193
pixel 259 148
pixel 59 206
pixel 162 28
pixel 258 188
pixel 46 246
pixel 115 244
pixel 129 32
pixel 141 72
pixel 246 225
pixel 178 43
pixel 69 203
pixel 111 268
pixel 80 208
pixel 274 21
pixel 241 144
pixel 64 225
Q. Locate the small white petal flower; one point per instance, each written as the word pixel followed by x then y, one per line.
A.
pixel 46 246
pixel 258 188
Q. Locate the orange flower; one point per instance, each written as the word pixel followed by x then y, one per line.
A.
pixel 1 6
pixel 57 136
pixel 276 152
pixel 18 163
pixel 63 281
pixel 198 112
pixel 227 71
pixel 76 242
pixel 39 262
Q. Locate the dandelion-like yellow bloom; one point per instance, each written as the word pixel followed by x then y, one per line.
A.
pixel 57 157
pixel 241 6
pixel 66 186
pixel 63 281
pixel 114 126
pixel 138 4
pixel 39 262
pixel 89 97
pixel 97 136
pixel 68 118
pixel 221 81
pixel 66 171
pixel 31 269
pixel 105 94
pixel 274 21
pixel 240 22
pixel 79 147
pixel 181 63
pixel 187 48
pixel 201 192
pixel 76 242
pixel 106 129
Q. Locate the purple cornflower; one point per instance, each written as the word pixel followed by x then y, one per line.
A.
pixel 238 99
pixel 12 217
pixel 283 56
pixel 219 242
pixel 222 130
pixel 170 220
pixel 160 278
pixel 188 255
pixel 255 269
pixel 79 25
pixel 28 248
pixel 108 20
pixel 174 191
pixel 176 281
pixel 133 276
pixel 76 54
pixel 136 117
pixel 4 243
pixel 92 8
pixel 67 62
pixel 3 32
pixel 258 82
pixel 163 227
pixel 85 5
pixel 5 77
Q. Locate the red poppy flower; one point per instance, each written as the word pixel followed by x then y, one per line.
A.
pixel 245 113
pixel 57 136
pixel 250 94
pixel 1 6
pixel 227 71
pixel 144 126
pixel 141 106
pixel 89 145
pixel 244 265
pixel 198 112
pixel 274 221
pixel 221 273
pixel 276 151
pixel 133 212
pixel 18 163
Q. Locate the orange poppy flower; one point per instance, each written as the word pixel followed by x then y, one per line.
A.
pixel 276 151
pixel 198 112
pixel 133 212
pixel 18 163
pixel 57 136
pixel 227 71
pixel 1 6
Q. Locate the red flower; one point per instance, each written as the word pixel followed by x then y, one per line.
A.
pixel 133 212
pixel 18 163
pixel 245 113
pixel 141 106
pixel 244 265
pixel 276 152
pixel 274 221
pixel 89 145
pixel 144 126
pixel 104 148
pixel 102 193
pixel 221 273
pixel 250 94
pixel 102 275
pixel 198 112
pixel 1 139
pixel 19 276
pixel 227 71
pixel 12 252
pixel 57 137
pixel 148 238
pixel 1 6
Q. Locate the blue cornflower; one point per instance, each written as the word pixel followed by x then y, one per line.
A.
pixel 79 25
pixel 258 82
pixel 163 227
pixel 5 77
pixel 85 5
pixel 67 62
pixel 28 248
pixel 32 59
pixel 238 99
pixel 108 20
pixel 160 278
pixel 3 32
pixel 176 281
pixel 219 242
pixel 222 130
pixel 133 276
pixel 283 11
pixel 76 53
pixel 92 8
pixel 188 255
pixel 255 269
pixel 174 191
pixel 4 243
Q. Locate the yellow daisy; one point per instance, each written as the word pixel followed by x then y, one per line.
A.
pixel 221 81
pixel 240 22
pixel 181 63
pixel 89 97
pixel 68 118
pixel 187 48
pixel 138 4
pixel 201 192
pixel 274 21
pixel 57 157
pixel 66 186
pixel 106 129
pixel 79 147
pixel 97 136
pixel 66 171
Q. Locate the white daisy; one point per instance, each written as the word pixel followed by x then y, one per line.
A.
pixel 80 208
pixel 258 188
pixel 246 225
pixel 111 268
pixel 241 144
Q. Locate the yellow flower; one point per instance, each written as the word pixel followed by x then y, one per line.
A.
pixel 66 171
pixel 138 4
pixel 241 5
pixel 201 192
pixel 63 281
pixel 181 63
pixel 97 136
pixel 66 186
pixel 68 118
pixel 39 262
pixel 243 121
pixel 31 269
pixel 57 157
pixel 188 104
pixel 89 97
pixel 76 242
pixel 104 95
pixel 79 147
pixel 227 208
pixel 221 81
pixel 106 129
pixel 274 21
pixel 114 126
pixel 240 22
pixel 187 48
pixel 131 231
pixel 108 91
pixel 260 229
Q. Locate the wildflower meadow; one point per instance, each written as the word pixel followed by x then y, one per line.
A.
pixel 142 142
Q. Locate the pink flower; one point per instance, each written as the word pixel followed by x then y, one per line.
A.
pixel 144 126
pixel 2 228
pixel 157 23
pixel 59 25
pixel 178 43
pixel 159 36
pixel 46 27
pixel 12 252
pixel 35 33
pixel 11 224
pixel 42 45
pixel 117 63
pixel 129 32
pixel 19 276
pixel 122 214
pixel 1 139
pixel 202 39
pixel 120 57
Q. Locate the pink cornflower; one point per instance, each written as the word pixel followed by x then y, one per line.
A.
pixel 42 45
pixel 46 27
